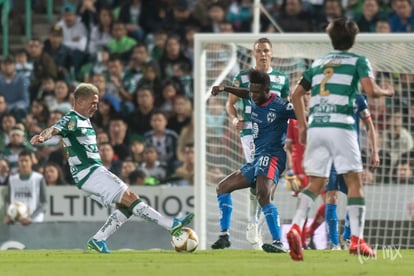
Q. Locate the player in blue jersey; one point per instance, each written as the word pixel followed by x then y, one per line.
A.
pixel 270 115
pixel 93 178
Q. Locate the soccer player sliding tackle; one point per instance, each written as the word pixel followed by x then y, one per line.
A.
pixel 329 132
pixel 270 115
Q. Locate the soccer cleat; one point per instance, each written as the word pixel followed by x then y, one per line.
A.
pixel 98 246
pixel 275 247
pixel 360 247
pixel 346 244
pixel 179 223
pixel 295 243
pixel 335 247
pixel 222 242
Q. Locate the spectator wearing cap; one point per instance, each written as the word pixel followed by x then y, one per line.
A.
pixel 14 88
pixel 75 35
pixel 17 143
pixel 60 53
pixel 43 65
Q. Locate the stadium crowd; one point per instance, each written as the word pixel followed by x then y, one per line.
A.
pixel 139 53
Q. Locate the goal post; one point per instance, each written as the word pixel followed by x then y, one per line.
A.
pixel 217 57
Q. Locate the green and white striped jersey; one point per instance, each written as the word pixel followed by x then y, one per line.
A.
pixel 279 85
pixel 79 140
pixel 335 80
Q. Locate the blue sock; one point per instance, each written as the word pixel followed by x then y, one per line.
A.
pixel 226 207
pixel 347 229
pixel 272 217
pixel 332 221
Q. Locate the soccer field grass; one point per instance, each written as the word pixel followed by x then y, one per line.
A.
pixel 208 262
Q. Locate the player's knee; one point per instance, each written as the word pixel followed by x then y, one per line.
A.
pixel 332 197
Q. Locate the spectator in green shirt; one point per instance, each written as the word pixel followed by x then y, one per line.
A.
pixel 121 43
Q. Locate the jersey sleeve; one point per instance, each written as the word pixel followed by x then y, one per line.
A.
pixel 237 80
pixel 364 68
pixel 289 112
pixel 307 75
pixel 66 125
pixel 285 92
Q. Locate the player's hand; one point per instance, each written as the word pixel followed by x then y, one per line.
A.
pixel 389 88
pixel 375 160
pixel 217 89
pixel 7 220
pixel 37 139
pixel 238 124
pixel 302 136
pixel 25 221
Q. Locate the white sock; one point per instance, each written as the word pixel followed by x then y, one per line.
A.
pixel 253 208
pixel 304 204
pixel 356 219
pixel 113 223
pixel 146 212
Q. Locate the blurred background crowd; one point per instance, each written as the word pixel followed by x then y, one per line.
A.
pixel 139 53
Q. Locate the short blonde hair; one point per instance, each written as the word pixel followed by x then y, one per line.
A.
pixel 85 90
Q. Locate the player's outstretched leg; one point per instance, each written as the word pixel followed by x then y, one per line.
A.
pixel 112 224
pixel 295 243
pixel 98 246
pixel 179 223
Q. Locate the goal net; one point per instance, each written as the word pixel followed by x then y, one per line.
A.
pixel 389 190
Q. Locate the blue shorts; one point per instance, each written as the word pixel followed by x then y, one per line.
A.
pixel 269 166
pixel 336 182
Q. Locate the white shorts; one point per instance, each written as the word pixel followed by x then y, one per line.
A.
pixel 104 187
pixel 325 146
pixel 248 147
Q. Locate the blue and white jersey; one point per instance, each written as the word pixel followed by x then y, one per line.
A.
pixel 270 121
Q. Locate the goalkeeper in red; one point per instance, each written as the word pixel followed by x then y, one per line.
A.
pixel 270 115
pixel 329 133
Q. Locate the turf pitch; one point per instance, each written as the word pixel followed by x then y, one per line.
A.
pixel 203 262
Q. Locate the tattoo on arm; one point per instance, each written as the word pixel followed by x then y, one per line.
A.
pixel 49 133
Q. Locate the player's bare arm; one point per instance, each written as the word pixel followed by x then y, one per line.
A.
pixel 239 92
pixel 45 135
pixel 371 88
pixel 232 112
pixel 300 111
pixel 373 142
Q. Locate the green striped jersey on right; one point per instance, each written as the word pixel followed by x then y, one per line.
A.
pixel 335 80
